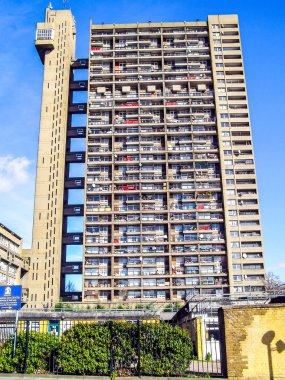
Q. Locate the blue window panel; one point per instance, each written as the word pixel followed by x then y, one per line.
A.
pixel 75 196
pixel 73 283
pixel 74 253
pixel 74 224
pixel 77 170
pixel 77 145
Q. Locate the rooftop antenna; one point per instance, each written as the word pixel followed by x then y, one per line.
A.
pixel 50 5
pixel 64 4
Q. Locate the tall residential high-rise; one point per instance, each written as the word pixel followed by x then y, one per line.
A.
pixel 146 190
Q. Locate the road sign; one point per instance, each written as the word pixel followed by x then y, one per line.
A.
pixel 10 297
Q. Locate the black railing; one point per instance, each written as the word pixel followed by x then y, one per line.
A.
pixel 115 348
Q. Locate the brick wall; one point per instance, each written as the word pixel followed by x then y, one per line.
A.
pixel 253 341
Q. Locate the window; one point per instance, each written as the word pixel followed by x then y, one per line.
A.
pixel 223 107
pixel 216 34
pixel 235 244
pixel 230 192
pixel 222 98
pixel 231 202
pixel 231 48
pixel 73 283
pixel 74 253
pixel 236 266
pixel 229 172
pixel 221 89
pixel 237 278
pixel 228 162
pixel 218 57
pixel 253 266
pixel 230 181
pixel 217 49
pixel 45 34
pixel 229 26
pixel 232 212
pixel 227 143
pixel 225 124
pixel 224 115
pixel 236 255
pixel 234 234
pixel 75 196
pixel 249 223
pixel 74 224
pixel 228 152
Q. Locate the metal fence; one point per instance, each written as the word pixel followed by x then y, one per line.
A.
pixel 126 352
pixel 205 334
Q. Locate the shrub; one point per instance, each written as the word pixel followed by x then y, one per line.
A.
pixel 164 349
pixel 102 349
pixel 40 348
pixel 85 349
pixel 6 362
pixel 124 342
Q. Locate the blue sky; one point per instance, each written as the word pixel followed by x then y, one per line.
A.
pixel 262 29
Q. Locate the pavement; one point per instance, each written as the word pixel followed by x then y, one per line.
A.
pixel 13 376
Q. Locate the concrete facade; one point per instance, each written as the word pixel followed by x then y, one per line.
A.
pixel 170 206
pixel 55 42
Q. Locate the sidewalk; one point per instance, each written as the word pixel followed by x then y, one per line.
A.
pixel 12 376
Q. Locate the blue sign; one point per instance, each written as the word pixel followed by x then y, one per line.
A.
pixel 10 297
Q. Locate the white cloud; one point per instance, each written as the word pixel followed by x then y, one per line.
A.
pixel 13 172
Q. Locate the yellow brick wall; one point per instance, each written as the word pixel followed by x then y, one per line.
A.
pixel 254 338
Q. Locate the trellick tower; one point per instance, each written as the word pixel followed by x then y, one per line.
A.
pixel 161 202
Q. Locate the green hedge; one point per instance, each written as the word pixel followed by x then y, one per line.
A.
pixel 165 350
pixel 40 347
pixel 87 348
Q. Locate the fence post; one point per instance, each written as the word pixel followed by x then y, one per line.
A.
pixel 15 334
pixel 111 350
pixel 26 346
pixel 139 348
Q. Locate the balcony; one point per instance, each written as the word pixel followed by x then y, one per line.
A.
pixel 100 105
pixel 44 40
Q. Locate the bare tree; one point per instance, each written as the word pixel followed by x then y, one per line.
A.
pixel 273 284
